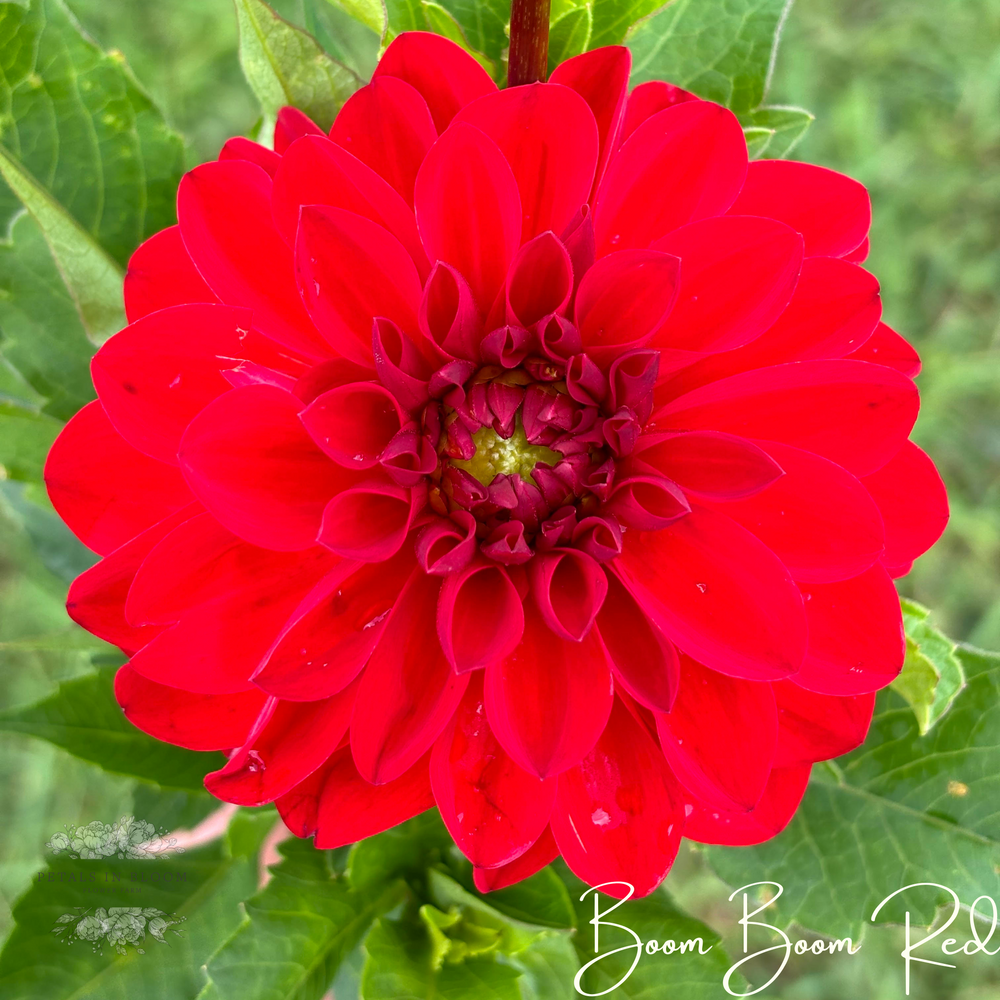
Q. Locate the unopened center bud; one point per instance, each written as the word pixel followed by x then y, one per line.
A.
pixel 505 456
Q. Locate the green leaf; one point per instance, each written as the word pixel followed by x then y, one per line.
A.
pixel 691 974
pixel 932 674
pixel 783 127
pixel 403 15
pixel 346 38
pixel 404 852
pixel 25 439
pixel 85 151
pixel 569 35
pixel 757 141
pixel 169 809
pixel 722 51
pixel 74 121
pixel 613 18
pixel 400 967
pixel 202 887
pixel 371 13
pixel 60 551
pixel 298 929
pixel 548 968
pixel 83 718
pixel 285 65
pixel 43 337
pixel 540 899
pixel 93 279
pixel 442 22
pixel 483 23
pixel 902 808
pixel 506 934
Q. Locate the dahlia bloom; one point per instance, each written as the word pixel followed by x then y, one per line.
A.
pixel 526 453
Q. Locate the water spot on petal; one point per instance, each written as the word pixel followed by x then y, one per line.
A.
pixel 599 817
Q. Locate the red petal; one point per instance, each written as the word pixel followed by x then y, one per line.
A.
pixel 548 136
pixel 493 808
pixel 542 852
pixel 293 124
pixel 623 299
pixel 408 690
pixel 830 210
pixel 720 594
pixel 195 721
pixel 447 77
pixel 834 308
pixel 97 597
pixel 600 77
pixel 160 274
pixel 683 164
pixel 785 788
pixel 299 808
pixel 353 423
pixel 647 502
pixel 241 148
pixel 737 275
pixel 468 209
pixel 479 616
pixel 549 700
pixel 860 253
pixel 720 737
pixel 331 635
pixel 644 660
pixel 156 375
pixel 569 588
pixel 370 521
pixel 856 642
pixel 105 490
pixel 250 461
pixel 914 505
pixel 448 315
pixel 219 642
pixel 351 270
pixel 388 126
pixel 814 727
pixel 540 281
pixel 720 466
pixel 224 210
pixel 447 545
pixel 817 518
pixel 351 809
pixel 853 413
pixel 886 347
pixel 316 171
pixel 618 815
pixel 199 561
pixel 286 746
pixel 649 98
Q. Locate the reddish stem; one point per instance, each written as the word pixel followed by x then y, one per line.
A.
pixel 529 42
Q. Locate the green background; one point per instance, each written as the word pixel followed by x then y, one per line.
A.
pixel 907 99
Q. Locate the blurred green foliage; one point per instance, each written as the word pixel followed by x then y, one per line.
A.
pixel 907 98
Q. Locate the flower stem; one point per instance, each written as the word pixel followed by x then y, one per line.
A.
pixel 529 42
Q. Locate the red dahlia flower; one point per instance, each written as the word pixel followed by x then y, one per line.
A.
pixel 526 452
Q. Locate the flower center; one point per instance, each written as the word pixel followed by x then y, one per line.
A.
pixel 496 455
